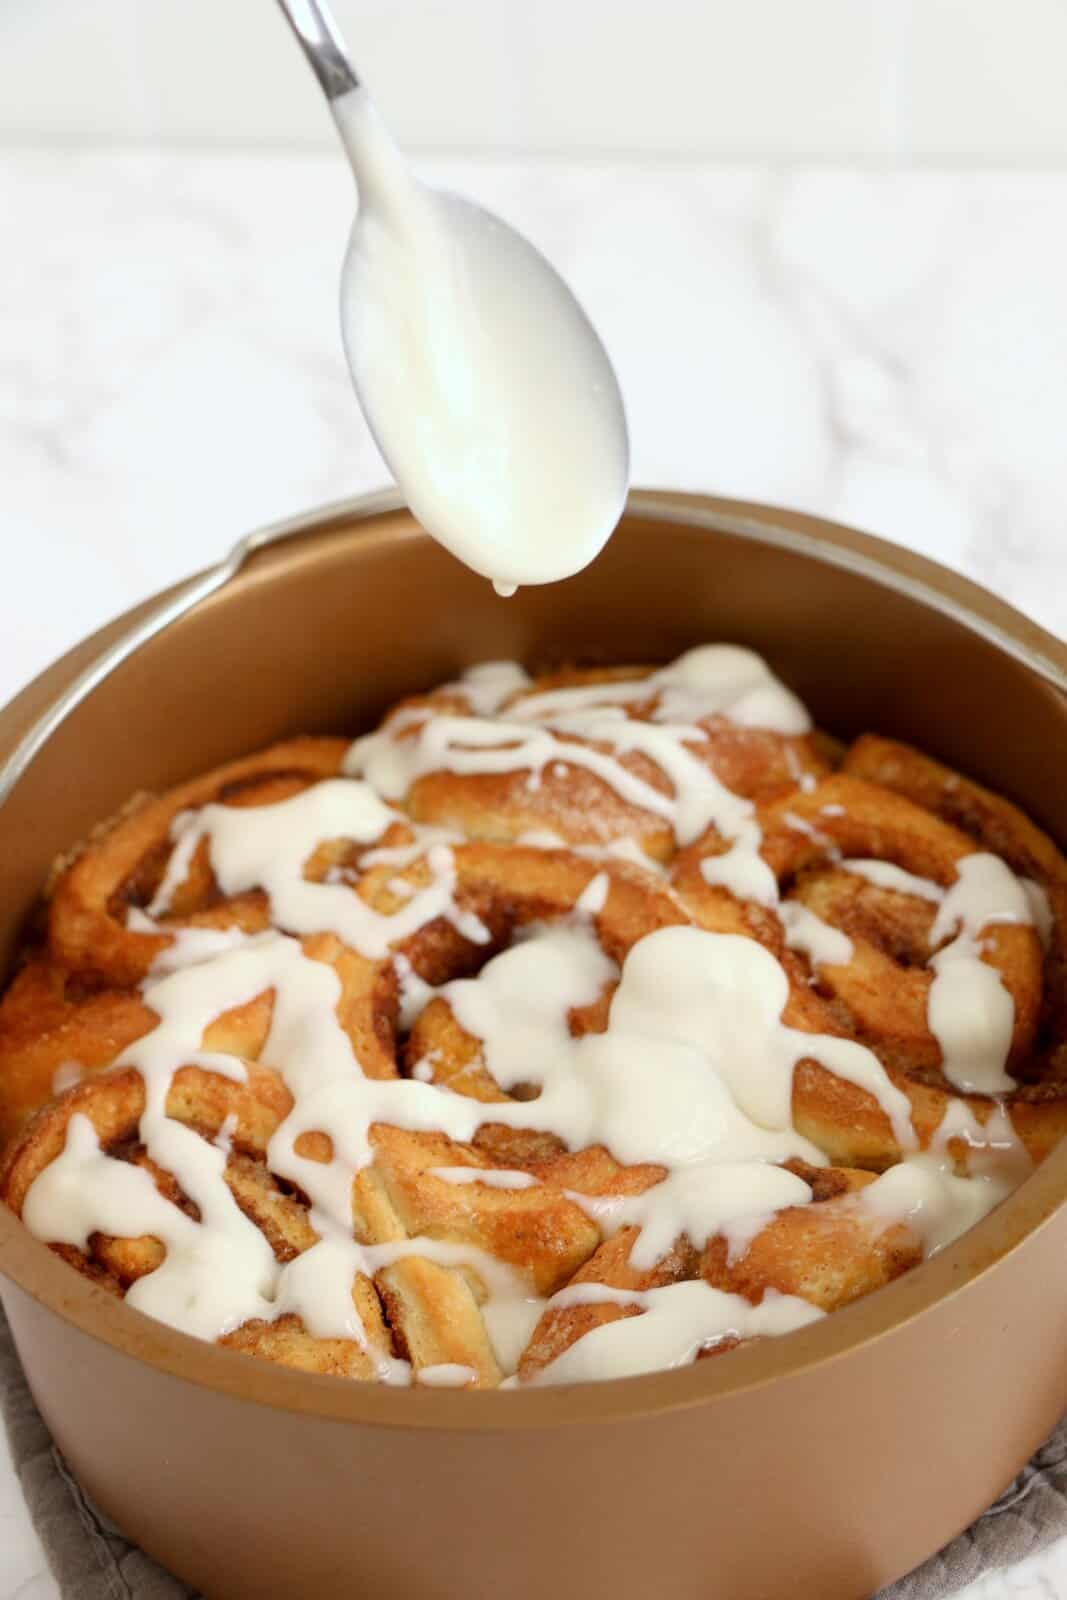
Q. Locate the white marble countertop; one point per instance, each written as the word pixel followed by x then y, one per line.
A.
pixel 886 348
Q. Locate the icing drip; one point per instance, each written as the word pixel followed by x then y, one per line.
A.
pixel 741 869
pixel 699 1200
pixel 495 1177
pixel 675 1323
pixel 823 945
pixel 266 847
pixel 1040 909
pixel 970 1012
pixel 724 995
pixel 925 1190
pixel 448 1374
pixel 714 680
pixel 615 850
pixel 216 1273
pixel 66 1075
pixel 886 875
pixel 490 683
pixel 464 745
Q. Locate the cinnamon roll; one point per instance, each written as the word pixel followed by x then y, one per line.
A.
pixel 564 1027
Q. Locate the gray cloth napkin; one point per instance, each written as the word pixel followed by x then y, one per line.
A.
pixel 91 1560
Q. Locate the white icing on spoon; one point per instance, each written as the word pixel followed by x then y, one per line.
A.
pixel 485 385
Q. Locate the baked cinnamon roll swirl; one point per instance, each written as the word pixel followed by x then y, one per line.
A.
pixel 565 1027
pixel 89 929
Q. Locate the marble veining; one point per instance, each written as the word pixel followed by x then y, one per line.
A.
pixel 885 347
pixel 888 348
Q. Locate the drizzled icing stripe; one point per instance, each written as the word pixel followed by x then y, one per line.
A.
pixel 713 680
pixel 926 1191
pixel 970 1012
pixel 887 875
pixel 676 1322
pixel 265 847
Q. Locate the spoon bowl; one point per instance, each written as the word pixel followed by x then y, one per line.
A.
pixel 485 385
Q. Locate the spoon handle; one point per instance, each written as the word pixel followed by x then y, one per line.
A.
pixel 321 41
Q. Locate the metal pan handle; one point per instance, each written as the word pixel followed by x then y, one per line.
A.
pixel 190 595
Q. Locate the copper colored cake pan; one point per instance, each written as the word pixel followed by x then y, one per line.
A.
pixel 823 1464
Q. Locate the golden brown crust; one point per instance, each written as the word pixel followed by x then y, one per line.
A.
pixel 536 1230
pixel 287 1342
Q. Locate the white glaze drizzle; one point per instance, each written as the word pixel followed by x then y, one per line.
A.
pixel 927 1193
pixel 488 684
pixel 266 847
pixel 674 1324
pixel 887 875
pixel 694 1072
pixel 969 1010
pixel 1040 909
pixel 627 850
pixel 223 1140
pixel 66 1075
pixel 493 1177
pixel 713 680
pixel 447 1375
pixel 823 944
pixel 684 1076
pixel 710 680
pixel 700 1200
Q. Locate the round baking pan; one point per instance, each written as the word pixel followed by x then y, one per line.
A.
pixel 825 1463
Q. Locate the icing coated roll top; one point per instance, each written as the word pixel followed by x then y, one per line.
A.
pixel 901 931
pixel 90 930
pixel 622 756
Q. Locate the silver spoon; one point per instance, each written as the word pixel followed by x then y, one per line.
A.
pixel 484 384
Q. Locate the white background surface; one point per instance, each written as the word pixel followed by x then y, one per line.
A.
pixel 886 347
pixel 971 79
pixel 886 344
